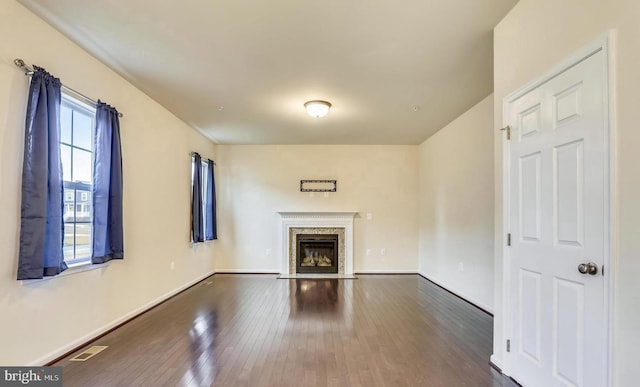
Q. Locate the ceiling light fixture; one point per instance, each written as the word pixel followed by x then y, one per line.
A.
pixel 317 108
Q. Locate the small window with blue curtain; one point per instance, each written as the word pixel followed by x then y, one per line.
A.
pixel 77 123
pixel 71 199
pixel 203 216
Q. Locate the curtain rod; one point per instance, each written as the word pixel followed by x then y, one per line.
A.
pixel 196 153
pixel 28 71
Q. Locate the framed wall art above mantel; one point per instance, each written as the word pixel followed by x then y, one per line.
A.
pixel 318 186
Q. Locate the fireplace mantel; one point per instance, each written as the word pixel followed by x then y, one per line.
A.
pixel 315 215
pixel 289 220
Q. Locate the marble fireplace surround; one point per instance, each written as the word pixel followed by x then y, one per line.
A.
pixel 293 223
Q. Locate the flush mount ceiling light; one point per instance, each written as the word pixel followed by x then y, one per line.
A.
pixel 317 108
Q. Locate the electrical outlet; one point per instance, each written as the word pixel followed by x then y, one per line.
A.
pixel 369 216
pixel 267 252
pixel 326 194
pixel 383 251
pixel 461 266
pixel 369 252
pixel 173 265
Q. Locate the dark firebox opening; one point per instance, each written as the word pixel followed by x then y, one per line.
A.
pixel 317 253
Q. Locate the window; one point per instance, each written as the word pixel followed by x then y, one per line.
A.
pixel 205 178
pixel 76 147
pixel 205 210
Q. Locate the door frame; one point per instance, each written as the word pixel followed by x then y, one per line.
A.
pixel 604 44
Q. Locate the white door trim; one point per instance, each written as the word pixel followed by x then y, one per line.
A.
pixel 602 44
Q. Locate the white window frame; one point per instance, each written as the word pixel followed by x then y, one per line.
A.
pixel 204 180
pixel 69 101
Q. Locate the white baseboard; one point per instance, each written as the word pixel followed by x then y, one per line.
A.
pixel 88 337
pixel 497 362
pixel 459 294
pixel 247 271
pixel 271 271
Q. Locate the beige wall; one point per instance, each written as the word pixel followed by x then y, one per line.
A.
pixel 258 181
pixel 535 36
pixel 39 320
pixel 456 205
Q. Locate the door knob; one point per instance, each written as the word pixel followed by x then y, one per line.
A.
pixel 588 268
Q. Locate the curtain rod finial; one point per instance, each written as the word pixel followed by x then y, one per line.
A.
pixel 20 63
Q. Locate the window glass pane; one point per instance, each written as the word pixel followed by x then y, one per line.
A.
pixel 204 178
pixel 65 154
pixel 68 241
pixel 82 129
pixel 83 206
pixel 69 202
pixel 193 163
pixel 77 159
pixel 83 240
pixel 65 124
pixel 81 166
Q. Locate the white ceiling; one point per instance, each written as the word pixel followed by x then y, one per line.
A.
pixel 240 71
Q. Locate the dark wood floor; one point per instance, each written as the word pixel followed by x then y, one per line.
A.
pixel 256 330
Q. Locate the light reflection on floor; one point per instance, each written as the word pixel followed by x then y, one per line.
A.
pixel 316 295
pixel 203 336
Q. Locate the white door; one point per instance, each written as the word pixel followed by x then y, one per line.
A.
pixel 558 184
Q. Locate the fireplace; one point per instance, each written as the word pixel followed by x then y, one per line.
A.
pixel 317 253
pixel 316 224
